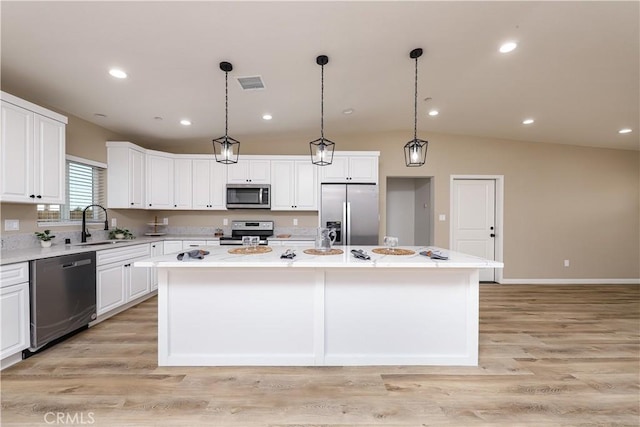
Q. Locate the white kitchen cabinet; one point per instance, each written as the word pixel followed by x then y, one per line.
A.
pixel 249 171
pixel 14 310
pixel 209 185
pixel 182 183
pixel 160 180
pixel 117 281
pixel 172 246
pixel 157 249
pixel 294 185
pixel 125 175
pixel 356 168
pixel 32 153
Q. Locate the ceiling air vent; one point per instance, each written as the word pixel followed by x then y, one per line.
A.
pixel 251 83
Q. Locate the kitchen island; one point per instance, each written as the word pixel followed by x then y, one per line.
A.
pixel 317 310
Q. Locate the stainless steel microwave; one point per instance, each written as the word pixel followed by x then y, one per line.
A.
pixel 248 196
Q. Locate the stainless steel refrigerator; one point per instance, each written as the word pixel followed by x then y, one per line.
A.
pixel 352 209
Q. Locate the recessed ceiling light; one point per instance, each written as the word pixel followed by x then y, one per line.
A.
pixel 527 121
pixel 625 130
pixel 348 111
pixel 508 47
pixel 434 112
pixel 267 117
pixel 117 73
pixel 185 122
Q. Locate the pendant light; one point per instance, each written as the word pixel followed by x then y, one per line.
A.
pixel 225 148
pixel 322 149
pixel 415 151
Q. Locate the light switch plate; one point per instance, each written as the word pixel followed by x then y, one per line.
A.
pixel 11 224
pixel 114 222
pixel 442 217
pixel 295 221
pixel 225 221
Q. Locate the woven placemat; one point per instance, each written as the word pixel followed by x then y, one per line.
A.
pixel 250 251
pixel 393 251
pixel 318 252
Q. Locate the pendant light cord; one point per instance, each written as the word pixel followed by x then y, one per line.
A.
pixel 415 105
pixel 322 103
pixel 226 103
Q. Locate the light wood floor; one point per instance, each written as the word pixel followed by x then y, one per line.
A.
pixel 549 356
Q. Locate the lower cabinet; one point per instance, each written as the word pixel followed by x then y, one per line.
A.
pixel 118 281
pixel 14 309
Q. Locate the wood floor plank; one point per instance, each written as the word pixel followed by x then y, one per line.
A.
pixel 549 356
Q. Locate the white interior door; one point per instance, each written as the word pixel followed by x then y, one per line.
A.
pixel 473 219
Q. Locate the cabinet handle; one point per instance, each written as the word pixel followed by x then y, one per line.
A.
pixel 39 196
pixel 175 206
pixel 149 204
pixel 131 203
pixel 33 196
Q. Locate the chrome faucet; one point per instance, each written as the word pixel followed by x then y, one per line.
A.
pixel 85 232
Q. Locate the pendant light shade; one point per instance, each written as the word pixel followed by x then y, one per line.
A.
pixel 321 148
pixel 225 148
pixel 415 151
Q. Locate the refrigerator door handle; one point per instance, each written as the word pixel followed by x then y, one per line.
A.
pixel 348 222
pixel 343 227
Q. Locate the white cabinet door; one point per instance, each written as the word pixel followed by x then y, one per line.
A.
pixel 282 189
pixel 337 171
pixel 160 179
pixel 138 280
pixel 49 153
pixel 14 320
pixel 306 186
pixel 294 185
pixel 136 179
pixel 172 246
pixel 363 169
pixel 125 176
pixel 157 249
pixel 16 153
pixel 208 185
pixel 182 188
pixel 249 171
pixel 110 287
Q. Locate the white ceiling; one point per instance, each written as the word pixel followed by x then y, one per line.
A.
pixel 576 69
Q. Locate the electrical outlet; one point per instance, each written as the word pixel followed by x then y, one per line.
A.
pixel 114 222
pixel 11 224
pixel 225 221
pixel 165 221
pixel 295 221
pixel 566 263
pixel 442 217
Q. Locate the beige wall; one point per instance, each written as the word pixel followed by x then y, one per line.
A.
pixel 561 202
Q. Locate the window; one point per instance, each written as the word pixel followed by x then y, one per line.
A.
pixel 85 186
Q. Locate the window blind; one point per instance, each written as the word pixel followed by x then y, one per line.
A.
pixel 85 186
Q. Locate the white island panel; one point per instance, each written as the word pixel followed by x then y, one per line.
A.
pixel 248 310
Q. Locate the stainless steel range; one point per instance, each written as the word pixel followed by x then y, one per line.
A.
pixel 239 229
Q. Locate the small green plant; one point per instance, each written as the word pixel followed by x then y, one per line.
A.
pixel 114 233
pixel 44 236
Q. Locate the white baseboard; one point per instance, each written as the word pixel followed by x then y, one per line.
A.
pixel 570 281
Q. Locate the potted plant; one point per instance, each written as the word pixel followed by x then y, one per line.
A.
pixel 45 238
pixel 120 233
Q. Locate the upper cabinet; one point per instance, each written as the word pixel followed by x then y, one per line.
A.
pixel 160 180
pixel 249 171
pixel 182 186
pixel 208 181
pixel 32 153
pixel 351 167
pixel 294 185
pixel 125 175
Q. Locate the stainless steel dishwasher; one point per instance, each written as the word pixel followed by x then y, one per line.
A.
pixel 63 296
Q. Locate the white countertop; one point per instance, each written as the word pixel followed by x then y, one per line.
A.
pixel 220 257
pixel 60 249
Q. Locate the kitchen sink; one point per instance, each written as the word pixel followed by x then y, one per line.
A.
pixel 101 242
